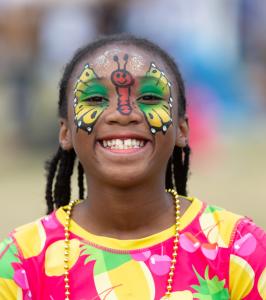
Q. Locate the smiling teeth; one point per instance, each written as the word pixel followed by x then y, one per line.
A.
pixel 123 144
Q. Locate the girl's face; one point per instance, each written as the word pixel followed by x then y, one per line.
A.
pixel 122 115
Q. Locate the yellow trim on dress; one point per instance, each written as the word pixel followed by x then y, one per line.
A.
pixel 146 242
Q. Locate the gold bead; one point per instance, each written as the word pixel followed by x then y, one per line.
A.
pixel 67 293
pixel 171 273
pixel 67 286
pixel 66 279
pixel 175 247
pixel 170 280
pixel 173 260
pixel 168 294
pixel 169 287
pixel 66 273
pixel 66 267
pixel 174 254
pixel 172 267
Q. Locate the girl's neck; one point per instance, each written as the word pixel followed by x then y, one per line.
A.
pixel 125 213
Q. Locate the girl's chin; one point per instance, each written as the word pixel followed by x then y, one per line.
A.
pixel 124 176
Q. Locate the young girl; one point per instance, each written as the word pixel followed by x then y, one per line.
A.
pixel 122 111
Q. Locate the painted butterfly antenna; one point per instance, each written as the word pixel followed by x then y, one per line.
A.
pixel 115 58
pixel 126 60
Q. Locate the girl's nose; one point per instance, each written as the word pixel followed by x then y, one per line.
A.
pixel 114 115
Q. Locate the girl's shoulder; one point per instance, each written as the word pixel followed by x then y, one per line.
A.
pixel 219 226
pixel 30 239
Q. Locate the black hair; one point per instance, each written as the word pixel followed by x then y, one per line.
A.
pixel 60 167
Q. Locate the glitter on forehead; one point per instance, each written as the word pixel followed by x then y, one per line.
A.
pixel 137 63
pixel 103 61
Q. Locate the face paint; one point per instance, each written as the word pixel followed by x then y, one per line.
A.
pixel 156 110
pixel 90 99
pixel 123 81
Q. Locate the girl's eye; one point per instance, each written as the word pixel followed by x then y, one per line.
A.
pixel 95 100
pixel 150 99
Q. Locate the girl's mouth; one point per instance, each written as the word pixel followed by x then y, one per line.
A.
pixel 123 145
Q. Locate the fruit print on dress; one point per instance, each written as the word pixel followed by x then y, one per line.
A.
pixel 262 284
pixel 191 244
pixel 118 275
pixel 11 269
pixel 218 225
pixel 210 288
pixel 240 271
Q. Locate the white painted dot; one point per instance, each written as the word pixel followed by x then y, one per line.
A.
pixel 171 120
pixel 171 99
pixel 163 73
pixel 164 128
pixel 89 128
pixel 153 130
pixel 86 66
pixel 79 123
pixel 153 65
pixel 169 83
pixel 75 100
pixel 170 105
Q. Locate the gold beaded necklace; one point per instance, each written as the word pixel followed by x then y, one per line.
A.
pixel 169 284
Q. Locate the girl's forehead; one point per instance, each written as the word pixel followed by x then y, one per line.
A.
pixel 134 59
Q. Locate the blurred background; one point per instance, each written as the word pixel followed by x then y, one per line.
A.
pixel 220 46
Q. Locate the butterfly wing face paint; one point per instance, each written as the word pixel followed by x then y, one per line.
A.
pixel 159 114
pixel 90 99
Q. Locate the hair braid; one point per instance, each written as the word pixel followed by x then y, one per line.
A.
pixel 80 181
pixel 62 189
pixel 186 164
pixel 51 167
pixel 168 178
pixel 177 170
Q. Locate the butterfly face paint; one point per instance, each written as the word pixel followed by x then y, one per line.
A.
pixel 153 88
pixel 123 81
pixel 91 99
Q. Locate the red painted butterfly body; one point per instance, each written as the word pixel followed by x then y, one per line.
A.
pixel 123 81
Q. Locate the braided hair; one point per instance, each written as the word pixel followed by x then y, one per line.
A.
pixel 60 167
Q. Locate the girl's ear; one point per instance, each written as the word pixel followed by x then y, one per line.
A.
pixel 65 139
pixel 182 132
